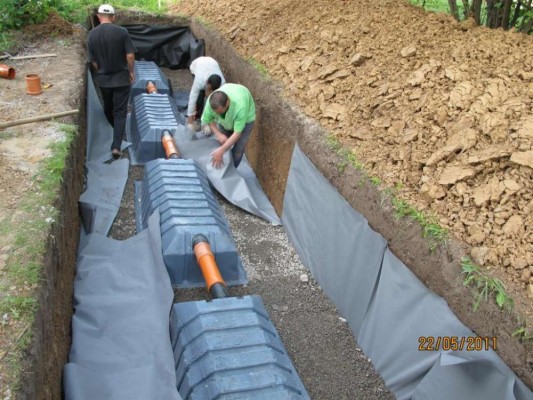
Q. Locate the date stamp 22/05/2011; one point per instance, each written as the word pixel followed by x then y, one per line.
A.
pixel 456 343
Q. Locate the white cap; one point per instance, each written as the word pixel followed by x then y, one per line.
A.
pixel 106 9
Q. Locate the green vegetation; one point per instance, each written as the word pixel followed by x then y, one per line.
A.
pixel 259 67
pixel 347 157
pixel 374 180
pixel 7 41
pixel 433 5
pixel 15 357
pixel 484 285
pixel 202 20
pixel 30 232
pixel 18 307
pixel 504 14
pixel 431 229
pixel 523 334
pixel 14 14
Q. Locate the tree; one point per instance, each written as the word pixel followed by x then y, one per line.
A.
pixel 504 14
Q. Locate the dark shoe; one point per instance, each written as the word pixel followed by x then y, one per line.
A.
pixel 116 154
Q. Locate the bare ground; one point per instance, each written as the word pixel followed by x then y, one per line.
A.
pixel 438 110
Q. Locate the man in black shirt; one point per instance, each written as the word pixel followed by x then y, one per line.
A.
pixel 112 55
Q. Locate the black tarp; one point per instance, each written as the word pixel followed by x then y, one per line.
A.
pixel 169 46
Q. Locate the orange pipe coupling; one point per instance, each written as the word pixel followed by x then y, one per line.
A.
pixel 206 260
pixel 151 87
pixel 171 150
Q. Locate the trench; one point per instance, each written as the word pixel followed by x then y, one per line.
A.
pixel 318 340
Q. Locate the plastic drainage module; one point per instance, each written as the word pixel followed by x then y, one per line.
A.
pixel 33 84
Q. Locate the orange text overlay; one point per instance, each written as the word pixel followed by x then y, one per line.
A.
pixel 454 343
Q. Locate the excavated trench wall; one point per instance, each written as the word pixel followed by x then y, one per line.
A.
pixel 51 335
pixel 278 128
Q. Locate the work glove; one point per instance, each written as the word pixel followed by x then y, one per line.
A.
pixel 206 130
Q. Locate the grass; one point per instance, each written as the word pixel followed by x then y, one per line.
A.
pixel 8 41
pixel 431 229
pixel 24 263
pixel 202 20
pixel 374 180
pixel 259 67
pixel 347 157
pixel 435 5
pixel 18 306
pixel 523 334
pixel 485 286
pixel 30 233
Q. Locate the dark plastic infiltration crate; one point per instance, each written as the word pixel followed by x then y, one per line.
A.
pixel 229 349
pixel 150 115
pixel 149 71
pixel 181 191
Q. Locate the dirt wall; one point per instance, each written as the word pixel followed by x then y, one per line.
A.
pixel 52 327
pixel 279 126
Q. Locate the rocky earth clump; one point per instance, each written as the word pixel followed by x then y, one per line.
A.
pixel 442 111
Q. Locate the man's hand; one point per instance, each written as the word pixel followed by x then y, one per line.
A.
pixel 217 157
pixel 206 130
pixel 132 77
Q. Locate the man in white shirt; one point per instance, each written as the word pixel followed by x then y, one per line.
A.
pixel 203 69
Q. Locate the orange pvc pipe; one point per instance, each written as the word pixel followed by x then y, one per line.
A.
pixel 151 87
pixel 208 265
pixel 170 146
pixel 7 72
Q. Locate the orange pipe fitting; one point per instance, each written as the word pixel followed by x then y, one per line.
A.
pixel 208 265
pixel 7 72
pixel 171 150
pixel 151 87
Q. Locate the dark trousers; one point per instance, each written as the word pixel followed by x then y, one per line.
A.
pixel 116 110
pixel 200 104
pixel 237 150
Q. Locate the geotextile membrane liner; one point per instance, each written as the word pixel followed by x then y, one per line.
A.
pixel 237 185
pixel 100 202
pixel 121 346
pixel 386 306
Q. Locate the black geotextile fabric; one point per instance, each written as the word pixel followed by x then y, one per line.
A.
pixel 122 295
pixel 121 345
pixel 238 185
pixel 169 46
pixel 105 182
pixel 387 307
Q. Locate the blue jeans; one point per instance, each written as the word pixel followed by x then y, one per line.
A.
pixel 238 148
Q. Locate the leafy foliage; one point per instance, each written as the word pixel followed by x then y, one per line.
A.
pixel 484 285
pixel 14 14
pixel 505 14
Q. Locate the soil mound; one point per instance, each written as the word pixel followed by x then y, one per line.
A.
pixel 439 110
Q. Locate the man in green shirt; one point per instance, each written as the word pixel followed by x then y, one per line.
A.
pixel 230 113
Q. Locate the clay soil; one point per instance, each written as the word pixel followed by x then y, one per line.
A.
pixel 438 110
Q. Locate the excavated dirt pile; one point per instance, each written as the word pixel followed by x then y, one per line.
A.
pixel 439 110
